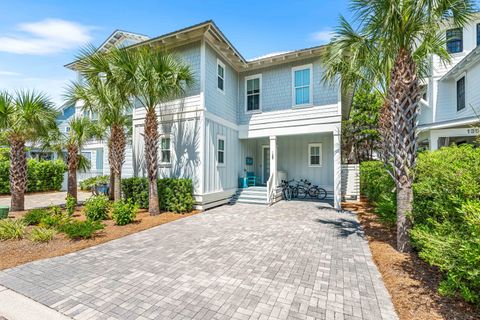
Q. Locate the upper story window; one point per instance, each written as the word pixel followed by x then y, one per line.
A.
pixel 67 129
pixel 253 86
pixel 221 150
pixel 461 93
pixel 166 149
pixel 220 76
pixel 478 34
pixel 454 39
pixel 302 79
pixel 315 155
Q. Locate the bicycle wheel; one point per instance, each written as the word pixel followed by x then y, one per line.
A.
pixel 322 193
pixel 301 193
pixel 294 192
pixel 313 192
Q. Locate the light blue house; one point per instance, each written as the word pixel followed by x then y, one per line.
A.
pixel 271 118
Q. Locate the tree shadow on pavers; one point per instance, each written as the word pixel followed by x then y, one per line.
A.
pixel 345 227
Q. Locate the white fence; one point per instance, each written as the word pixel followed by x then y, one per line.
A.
pixel 350 182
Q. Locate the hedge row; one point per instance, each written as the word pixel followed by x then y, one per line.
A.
pixel 41 175
pixel 446 213
pixel 175 195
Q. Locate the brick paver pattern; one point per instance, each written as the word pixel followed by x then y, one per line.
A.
pixel 294 260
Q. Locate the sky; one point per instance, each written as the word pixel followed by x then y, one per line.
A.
pixel 37 38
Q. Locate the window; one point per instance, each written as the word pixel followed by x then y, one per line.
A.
pixel 424 91
pixel 221 150
pixel 252 98
pixel 67 129
pixel 87 155
pixel 315 155
pixel 461 94
pixel 454 39
pixel 478 34
pixel 302 85
pixel 166 149
pixel 220 76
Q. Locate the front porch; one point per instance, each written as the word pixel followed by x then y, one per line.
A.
pixel 269 160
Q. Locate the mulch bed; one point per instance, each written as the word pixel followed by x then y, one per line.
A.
pixel 412 283
pixel 16 252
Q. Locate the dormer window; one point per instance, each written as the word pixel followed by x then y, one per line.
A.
pixel 454 39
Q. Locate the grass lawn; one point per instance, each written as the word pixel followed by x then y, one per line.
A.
pixel 16 252
pixel 411 282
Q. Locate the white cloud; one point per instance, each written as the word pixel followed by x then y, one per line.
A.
pixel 323 36
pixel 8 73
pixel 268 55
pixel 46 37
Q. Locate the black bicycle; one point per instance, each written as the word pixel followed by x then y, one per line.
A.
pixel 313 191
pixel 288 191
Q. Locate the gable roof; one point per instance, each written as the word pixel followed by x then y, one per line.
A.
pixel 467 62
pixel 216 39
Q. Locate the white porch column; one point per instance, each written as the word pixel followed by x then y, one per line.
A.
pixel 273 160
pixel 337 168
pixel 433 140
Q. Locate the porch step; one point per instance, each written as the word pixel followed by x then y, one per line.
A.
pixel 253 195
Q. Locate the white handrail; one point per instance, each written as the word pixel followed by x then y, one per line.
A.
pixel 270 189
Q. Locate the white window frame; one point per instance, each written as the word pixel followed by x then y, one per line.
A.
pixel 67 129
pixel 220 63
pixel 170 149
pixel 319 145
pixel 217 150
pixel 255 76
pixel 310 103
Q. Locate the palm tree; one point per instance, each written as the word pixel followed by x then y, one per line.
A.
pixel 25 117
pixel 81 131
pixel 153 77
pixel 391 50
pixel 112 106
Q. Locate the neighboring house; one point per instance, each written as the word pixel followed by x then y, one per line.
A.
pixel 451 103
pixel 270 117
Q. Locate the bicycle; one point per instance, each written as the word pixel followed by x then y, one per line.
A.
pixel 286 190
pixel 314 191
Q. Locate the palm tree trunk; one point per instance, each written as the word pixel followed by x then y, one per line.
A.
pixel 404 95
pixel 72 171
pixel 112 183
pixel 117 148
pixel 151 153
pixel 18 174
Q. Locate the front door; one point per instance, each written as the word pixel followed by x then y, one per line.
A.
pixel 266 164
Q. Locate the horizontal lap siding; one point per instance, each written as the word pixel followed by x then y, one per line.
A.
pixel 221 104
pixel 185 153
pixel 276 88
pixel 127 168
pixel 218 178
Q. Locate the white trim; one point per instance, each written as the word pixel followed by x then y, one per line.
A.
pixel 314 145
pixel 252 77
pixel 162 136
pixel 202 122
pixel 217 150
pixel 220 120
pixel 310 102
pixel 264 146
pixel 220 63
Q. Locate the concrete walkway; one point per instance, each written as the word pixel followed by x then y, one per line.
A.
pixel 294 260
pixel 45 199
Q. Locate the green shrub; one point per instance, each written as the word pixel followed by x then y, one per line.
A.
pixel 87 184
pixel 124 212
pixel 11 229
pixel 445 215
pixel 54 219
pixel 378 186
pixel 175 195
pixel 81 229
pixel 136 190
pixel 97 207
pixel 41 175
pixel 40 234
pixel 34 216
pixel 70 205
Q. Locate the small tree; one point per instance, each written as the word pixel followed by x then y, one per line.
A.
pixel 28 116
pixel 360 134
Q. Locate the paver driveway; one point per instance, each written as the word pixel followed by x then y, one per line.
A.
pixel 294 260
